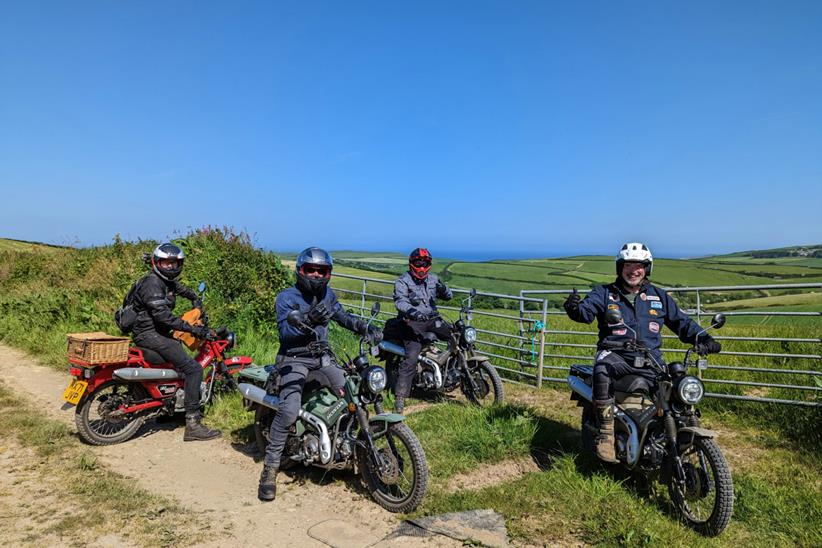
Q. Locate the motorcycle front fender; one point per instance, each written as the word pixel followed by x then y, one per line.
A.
pixel 475 359
pixel 687 435
pixel 382 422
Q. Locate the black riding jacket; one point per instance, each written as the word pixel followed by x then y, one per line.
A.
pixel 154 300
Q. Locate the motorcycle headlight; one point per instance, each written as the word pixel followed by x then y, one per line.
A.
pixel 375 379
pixel 470 335
pixel 231 337
pixel 690 390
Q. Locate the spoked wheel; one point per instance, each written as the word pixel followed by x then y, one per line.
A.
pixel 488 383
pixel 399 480
pixel 99 418
pixel 706 500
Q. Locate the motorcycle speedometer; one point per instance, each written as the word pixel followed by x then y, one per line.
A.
pixel 690 390
pixel 470 335
pixel 375 379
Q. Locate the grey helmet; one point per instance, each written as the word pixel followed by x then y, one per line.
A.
pixel 167 251
pixel 317 260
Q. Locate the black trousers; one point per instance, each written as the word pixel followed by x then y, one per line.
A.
pixel 172 352
pixel 610 366
pixel 411 337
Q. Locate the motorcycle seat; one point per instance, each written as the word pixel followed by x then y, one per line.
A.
pixel 151 357
pixel 632 384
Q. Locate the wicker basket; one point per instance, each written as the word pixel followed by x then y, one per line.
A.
pixel 97 348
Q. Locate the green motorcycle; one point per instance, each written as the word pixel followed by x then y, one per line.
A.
pixel 337 433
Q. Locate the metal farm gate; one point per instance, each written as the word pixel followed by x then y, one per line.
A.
pixel 525 336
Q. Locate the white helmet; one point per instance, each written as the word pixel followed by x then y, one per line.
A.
pixel 634 252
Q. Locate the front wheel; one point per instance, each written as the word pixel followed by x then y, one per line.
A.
pixel 399 480
pixel 488 384
pixel 99 418
pixel 706 501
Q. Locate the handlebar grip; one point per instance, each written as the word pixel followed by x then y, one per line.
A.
pixel 613 345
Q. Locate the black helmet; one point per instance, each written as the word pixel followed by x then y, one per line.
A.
pixel 164 252
pixel 317 261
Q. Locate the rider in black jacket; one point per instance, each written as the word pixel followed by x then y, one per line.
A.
pixel 154 298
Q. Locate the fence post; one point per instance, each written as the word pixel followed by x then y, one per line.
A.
pixel 362 301
pixel 698 308
pixel 542 342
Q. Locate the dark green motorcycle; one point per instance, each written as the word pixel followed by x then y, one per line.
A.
pixel 337 433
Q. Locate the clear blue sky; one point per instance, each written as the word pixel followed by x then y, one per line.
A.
pixel 482 127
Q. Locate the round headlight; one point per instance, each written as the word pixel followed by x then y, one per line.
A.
pixel 231 337
pixel 690 390
pixel 470 335
pixel 375 379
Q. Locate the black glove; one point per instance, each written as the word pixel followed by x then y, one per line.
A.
pixel 197 303
pixel 202 332
pixel 572 302
pixel 416 315
pixel 441 287
pixel 373 335
pixel 319 314
pixel 708 346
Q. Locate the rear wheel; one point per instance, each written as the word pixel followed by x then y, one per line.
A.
pixel 588 428
pixel 99 417
pixel 488 383
pixel 399 480
pixel 706 500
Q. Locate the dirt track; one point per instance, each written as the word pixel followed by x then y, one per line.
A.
pixel 160 461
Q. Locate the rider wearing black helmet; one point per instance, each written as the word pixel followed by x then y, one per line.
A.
pixel 645 308
pixel 154 296
pixel 305 350
pixel 415 294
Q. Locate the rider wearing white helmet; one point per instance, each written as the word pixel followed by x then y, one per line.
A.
pixel 644 308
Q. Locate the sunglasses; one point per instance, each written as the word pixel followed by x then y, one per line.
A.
pixel 421 262
pixel 323 271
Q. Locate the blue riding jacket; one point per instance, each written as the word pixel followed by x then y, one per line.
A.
pixel 646 314
pixel 293 299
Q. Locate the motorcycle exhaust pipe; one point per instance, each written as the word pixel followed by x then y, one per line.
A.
pixel 258 395
pixel 138 374
pixel 393 348
pixel 579 387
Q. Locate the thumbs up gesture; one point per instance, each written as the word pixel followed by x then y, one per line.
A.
pixel 572 302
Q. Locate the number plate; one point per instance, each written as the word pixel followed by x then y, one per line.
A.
pixel 75 391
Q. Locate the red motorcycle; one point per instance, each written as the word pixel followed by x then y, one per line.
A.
pixel 114 400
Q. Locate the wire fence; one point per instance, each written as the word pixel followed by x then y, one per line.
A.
pixel 769 356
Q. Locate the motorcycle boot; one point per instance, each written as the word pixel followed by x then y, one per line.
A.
pixel 197 431
pixel 399 405
pixel 604 442
pixel 267 491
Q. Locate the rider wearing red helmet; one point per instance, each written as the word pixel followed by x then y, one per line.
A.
pixel 415 294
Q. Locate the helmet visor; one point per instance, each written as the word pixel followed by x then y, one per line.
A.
pixel 316 270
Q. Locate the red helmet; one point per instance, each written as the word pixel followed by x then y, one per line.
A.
pixel 419 263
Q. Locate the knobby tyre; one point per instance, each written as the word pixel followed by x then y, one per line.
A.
pixel 706 503
pixel 488 383
pixel 402 482
pixel 98 420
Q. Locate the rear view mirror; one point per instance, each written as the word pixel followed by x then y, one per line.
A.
pixel 375 309
pixel 613 316
pixel 295 318
pixel 202 287
pixel 473 293
pixel 718 320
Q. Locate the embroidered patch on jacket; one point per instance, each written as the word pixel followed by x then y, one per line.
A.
pixel 656 304
pixel 652 298
pixel 654 327
pixel 653 312
pixel 613 307
pixel 643 296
